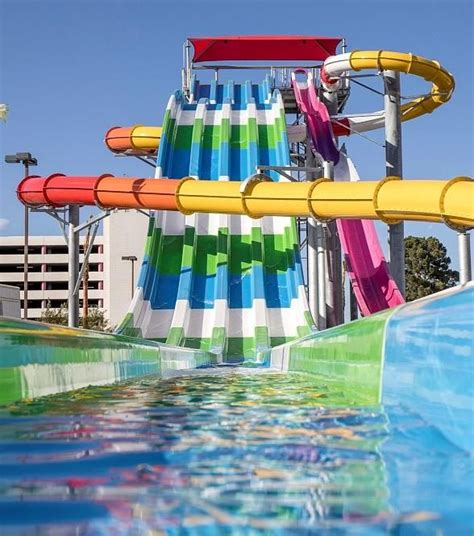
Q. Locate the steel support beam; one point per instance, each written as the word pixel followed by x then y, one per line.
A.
pixel 310 171
pixel 465 269
pixel 321 275
pixel 73 266
pixel 334 287
pixel 312 259
pixel 335 301
pixel 87 252
pixel 313 232
pixel 354 309
pixel 393 167
pixel 334 282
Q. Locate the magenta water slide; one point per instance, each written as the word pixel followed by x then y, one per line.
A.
pixel 373 285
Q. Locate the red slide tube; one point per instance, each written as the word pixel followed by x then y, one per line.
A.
pixel 105 191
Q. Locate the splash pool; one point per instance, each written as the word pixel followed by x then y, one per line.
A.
pixel 224 452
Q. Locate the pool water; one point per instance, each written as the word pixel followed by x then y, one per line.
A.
pixel 226 451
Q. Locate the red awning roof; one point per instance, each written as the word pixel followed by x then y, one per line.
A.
pixel 263 47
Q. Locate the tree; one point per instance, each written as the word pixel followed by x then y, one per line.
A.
pixel 427 267
pixel 95 318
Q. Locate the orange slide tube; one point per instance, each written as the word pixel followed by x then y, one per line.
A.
pixel 138 139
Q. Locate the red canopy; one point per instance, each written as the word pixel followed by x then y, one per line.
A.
pixel 264 47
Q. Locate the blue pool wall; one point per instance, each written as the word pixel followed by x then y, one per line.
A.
pixel 429 362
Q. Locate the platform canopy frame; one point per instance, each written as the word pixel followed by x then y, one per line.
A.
pixel 208 53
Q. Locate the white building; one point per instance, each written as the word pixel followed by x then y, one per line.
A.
pixel 110 277
pixel 10 301
pixel 124 235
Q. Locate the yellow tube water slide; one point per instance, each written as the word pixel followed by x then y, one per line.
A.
pixel 133 139
pixel 442 82
pixel 390 200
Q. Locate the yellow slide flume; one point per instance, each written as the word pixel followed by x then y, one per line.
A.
pixel 389 200
pixel 442 82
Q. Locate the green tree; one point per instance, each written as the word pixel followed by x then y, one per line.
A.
pixel 427 267
pixel 95 319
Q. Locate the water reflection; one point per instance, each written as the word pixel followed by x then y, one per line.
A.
pixel 228 453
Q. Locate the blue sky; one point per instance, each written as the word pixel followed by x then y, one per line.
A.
pixel 70 70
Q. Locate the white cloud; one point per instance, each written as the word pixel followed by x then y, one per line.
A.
pixel 3 223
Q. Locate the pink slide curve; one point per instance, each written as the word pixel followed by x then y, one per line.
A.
pixel 316 115
pixel 373 285
pixel 372 282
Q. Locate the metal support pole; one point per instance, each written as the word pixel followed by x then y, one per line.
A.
pixel 322 259
pixel 321 274
pixel 133 277
pixel 334 290
pixel 338 278
pixel 85 282
pixel 187 67
pixel 464 245
pixel 354 310
pixel 25 251
pixel 27 160
pixel 73 267
pixel 312 232
pixel 334 293
pixel 393 165
pixel 312 260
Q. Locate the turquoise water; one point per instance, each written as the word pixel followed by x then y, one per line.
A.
pixel 230 452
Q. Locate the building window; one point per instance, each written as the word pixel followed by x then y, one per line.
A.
pixel 60 267
pixel 19 250
pixel 56 250
pixel 56 285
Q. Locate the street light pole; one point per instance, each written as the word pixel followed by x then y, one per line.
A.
pixel 133 259
pixel 26 226
pixel 27 160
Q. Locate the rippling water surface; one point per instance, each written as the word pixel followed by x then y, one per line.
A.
pixel 234 451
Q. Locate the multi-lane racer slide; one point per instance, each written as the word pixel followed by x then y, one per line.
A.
pixel 225 284
pixel 373 285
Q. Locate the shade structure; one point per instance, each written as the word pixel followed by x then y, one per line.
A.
pixel 264 47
